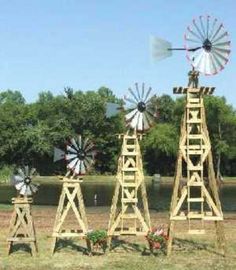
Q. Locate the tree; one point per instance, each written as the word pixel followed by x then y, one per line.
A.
pixel 165 106
pixel 160 148
pixel 45 96
pixel 69 92
pixel 221 120
pixel 11 96
pixel 30 131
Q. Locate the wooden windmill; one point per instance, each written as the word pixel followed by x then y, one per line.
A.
pixel 79 156
pixel 197 201
pixel 128 219
pixel 22 228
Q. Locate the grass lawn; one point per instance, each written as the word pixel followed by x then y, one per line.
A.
pixel 190 252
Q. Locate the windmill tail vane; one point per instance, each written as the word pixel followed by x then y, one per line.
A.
pixel 160 48
pixel 58 154
pixel 112 109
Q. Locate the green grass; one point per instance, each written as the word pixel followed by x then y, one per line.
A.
pixel 190 252
pixel 5 207
pixel 195 257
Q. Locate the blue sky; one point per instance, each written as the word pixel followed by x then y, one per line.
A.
pixel 51 44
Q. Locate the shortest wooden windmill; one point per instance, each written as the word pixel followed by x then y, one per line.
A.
pixel 22 228
pixel 128 219
pixel 79 156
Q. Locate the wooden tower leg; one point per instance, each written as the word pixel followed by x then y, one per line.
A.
pixel 57 219
pixel 220 235
pixel 22 228
pixel 145 204
pixel 176 187
pixel 71 198
pixel 129 220
pixel 170 237
pixel 113 213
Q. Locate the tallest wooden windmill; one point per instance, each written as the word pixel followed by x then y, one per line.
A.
pixel 197 200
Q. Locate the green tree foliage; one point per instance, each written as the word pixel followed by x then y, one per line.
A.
pixel 160 148
pixel 10 96
pixel 221 120
pixel 29 132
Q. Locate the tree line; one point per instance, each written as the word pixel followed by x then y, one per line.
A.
pixel 30 131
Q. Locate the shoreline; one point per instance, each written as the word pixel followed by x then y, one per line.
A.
pixel 111 179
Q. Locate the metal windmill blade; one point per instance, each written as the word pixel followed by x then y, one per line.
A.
pixel 209 34
pixel 79 155
pixel 23 181
pixel 207 45
pixel 140 117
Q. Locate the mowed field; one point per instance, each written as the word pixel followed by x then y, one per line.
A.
pixel 189 251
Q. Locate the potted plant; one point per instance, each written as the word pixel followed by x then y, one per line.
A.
pixel 157 238
pixel 98 238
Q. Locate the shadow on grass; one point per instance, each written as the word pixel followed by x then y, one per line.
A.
pixel 182 245
pixel 130 247
pixel 68 243
pixel 191 246
pixel 20 247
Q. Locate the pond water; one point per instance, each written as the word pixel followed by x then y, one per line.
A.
pixel 159 195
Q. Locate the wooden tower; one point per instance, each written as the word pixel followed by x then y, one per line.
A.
pixel 196 200
pixel 21 225
pixel 71 198
pixel 128 219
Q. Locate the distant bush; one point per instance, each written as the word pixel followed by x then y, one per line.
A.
pixel 5 173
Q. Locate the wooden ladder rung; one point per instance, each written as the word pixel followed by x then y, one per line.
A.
pixel 194 121
pixel 195 152
pixel 194 136
pixel 135 200
pixel 130 146
pixel 129 177
pixel 195 105
pixel 195 184
pixel 193 100
pixel 129 153
pixel 125 184
pixel 129 169
pixel 195 200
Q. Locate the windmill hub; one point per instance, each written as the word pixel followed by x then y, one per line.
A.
pixel 81 154
pixel 141 106
pixel 27 180
pixel 207 45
